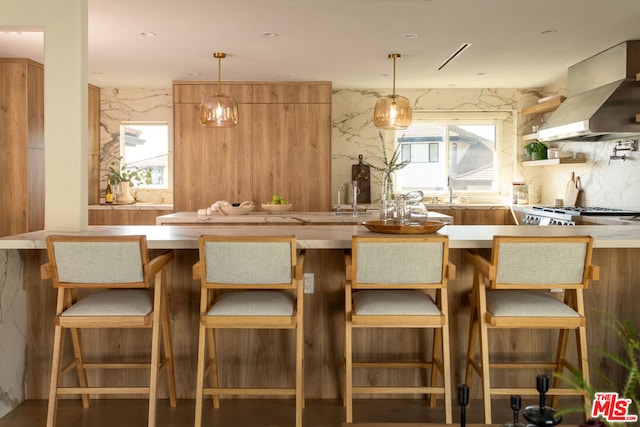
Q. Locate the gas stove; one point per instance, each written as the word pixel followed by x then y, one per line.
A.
pixel 579 210
pixel 570 215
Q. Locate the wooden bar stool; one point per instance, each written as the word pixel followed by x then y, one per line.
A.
pixel 513 291
pixel 399 282
pixel 248 283
pixel 107 282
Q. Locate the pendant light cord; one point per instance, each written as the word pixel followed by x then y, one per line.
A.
pixel 394 76
pixel 219 68
pixel 219 56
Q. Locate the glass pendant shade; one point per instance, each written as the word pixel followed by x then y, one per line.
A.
pixel 219 110
pixel 394 111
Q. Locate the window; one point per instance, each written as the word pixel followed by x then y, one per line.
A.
pixel 146 145
pixel 460 148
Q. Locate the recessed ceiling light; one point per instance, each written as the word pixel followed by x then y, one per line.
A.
pixel 269 35
pixel 147 34
pixel 410 36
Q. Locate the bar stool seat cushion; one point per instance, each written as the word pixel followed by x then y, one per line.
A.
pixel 254 303
pixel 527 304
pixel 393 302
pixel 121 302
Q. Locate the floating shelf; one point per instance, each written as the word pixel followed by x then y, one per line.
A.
pixel 551 162
pixel 530 137
pixel 544 107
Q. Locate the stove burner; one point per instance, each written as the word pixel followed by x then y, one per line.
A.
pixel 579 210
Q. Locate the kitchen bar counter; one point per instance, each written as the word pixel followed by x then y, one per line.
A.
pixel 617 249
pixel 338 236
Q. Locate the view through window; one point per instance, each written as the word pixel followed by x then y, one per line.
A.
pixel 146 145
pixel 461 152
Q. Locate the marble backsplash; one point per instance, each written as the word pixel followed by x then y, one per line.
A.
pixel 13 327
pixel 604 182
pixel 353 132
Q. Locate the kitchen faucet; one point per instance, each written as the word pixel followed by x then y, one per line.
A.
pixel 356 191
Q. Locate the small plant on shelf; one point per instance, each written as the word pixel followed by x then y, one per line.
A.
pixel 537 150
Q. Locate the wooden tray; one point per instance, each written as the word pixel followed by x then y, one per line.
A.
pixel 427 227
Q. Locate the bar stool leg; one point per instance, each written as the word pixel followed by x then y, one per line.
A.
pixel 200 376
pixel 348 374
pixel 211 365
pixel 155 355
pixel 77 353
pixel 299 372
pixel 52 408
pixel 168 350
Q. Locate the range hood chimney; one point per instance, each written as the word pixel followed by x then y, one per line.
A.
pixel 603 98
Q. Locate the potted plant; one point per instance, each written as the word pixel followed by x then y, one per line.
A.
pixel 125 177
pixel 628 360
pixel 537 150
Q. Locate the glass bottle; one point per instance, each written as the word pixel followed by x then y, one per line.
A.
pixel 108 194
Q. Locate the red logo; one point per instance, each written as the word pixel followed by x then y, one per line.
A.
pixel 612 408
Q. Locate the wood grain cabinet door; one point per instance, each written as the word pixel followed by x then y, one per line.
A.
pixel 211 163
pixel 291 155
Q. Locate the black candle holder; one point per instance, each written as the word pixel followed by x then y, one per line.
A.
pixel 516 404
pixel 541 415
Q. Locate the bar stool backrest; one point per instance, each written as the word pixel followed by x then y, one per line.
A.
pixel 550 262
pixel 267 264
pixel 399 261
pixel 98 262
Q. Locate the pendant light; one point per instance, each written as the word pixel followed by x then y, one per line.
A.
pixel 219 110
pixel 392 112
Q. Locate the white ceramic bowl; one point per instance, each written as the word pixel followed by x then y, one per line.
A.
pixel 276 208
pixel 243 209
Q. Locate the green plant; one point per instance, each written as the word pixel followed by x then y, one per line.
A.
pixel 628 360
pixel 133 175
pixel 537 150
pixel 389 164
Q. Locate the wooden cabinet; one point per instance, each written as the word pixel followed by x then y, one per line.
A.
pixel 282 145
pixel 493 215
pixel 22 146
pixel 125 216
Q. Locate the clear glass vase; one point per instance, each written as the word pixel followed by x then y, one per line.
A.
pixel 387 199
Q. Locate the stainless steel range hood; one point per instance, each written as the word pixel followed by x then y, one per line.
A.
pixel 603 98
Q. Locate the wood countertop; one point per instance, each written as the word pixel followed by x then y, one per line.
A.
pixel 336 236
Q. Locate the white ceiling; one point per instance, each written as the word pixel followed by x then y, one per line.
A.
pixel 514 43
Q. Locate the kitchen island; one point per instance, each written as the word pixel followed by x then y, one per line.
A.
pixel 344 217
pixel 617 249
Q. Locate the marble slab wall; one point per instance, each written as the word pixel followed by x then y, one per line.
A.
pixel 119 105
pixel 13 326
pixel 353 132
pixel 604 183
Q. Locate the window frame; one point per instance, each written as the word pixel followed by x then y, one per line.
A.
pixel 133 123
pixel 461 118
